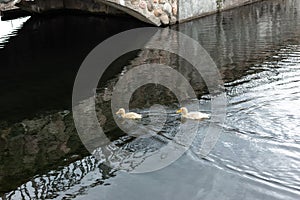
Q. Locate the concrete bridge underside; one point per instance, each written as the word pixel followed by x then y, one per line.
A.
pixel 156 12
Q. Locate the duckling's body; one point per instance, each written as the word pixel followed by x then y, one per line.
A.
pixel 192 115
pixel 130 115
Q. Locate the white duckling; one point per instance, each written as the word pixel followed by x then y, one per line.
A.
pixel 192 115
pixel 130 115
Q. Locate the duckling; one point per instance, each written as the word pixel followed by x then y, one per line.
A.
pixel 130 115
pixel 192 115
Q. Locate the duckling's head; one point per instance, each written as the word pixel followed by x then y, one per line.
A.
pixel 183 110
pixel 121 111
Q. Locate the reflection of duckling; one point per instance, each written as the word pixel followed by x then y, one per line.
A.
pixel 130 115
pixel 192 115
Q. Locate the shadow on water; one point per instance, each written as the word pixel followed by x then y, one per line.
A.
pixel 39 63
pixel 256 48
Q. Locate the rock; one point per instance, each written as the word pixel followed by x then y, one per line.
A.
pixel 167 8
pixel 174 9
pixel 122 2
pixel 158 12
pixel 164 18
pixel 143 4
pixel 150 6
pixel 173 20
pixel 135 2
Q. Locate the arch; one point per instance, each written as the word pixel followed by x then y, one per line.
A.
pixel 156 12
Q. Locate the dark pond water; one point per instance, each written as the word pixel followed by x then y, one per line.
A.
pixel 257 51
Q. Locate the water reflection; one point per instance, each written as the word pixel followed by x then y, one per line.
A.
pixel 38 68
pixel 267 105
pixel 56 182
pixel 257 51
pixel 238 39
pixel 9 29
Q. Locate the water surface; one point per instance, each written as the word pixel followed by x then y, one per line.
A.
pixel 256 48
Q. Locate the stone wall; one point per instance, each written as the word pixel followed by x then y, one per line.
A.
pixel 227 4
pixel 92 6
pixel 7 4
pixel 190 9
pixel 157 12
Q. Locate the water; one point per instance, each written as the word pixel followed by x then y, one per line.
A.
pixel 256 48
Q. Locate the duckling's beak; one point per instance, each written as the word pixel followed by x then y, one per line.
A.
pixel 117 113
pixel 178 111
